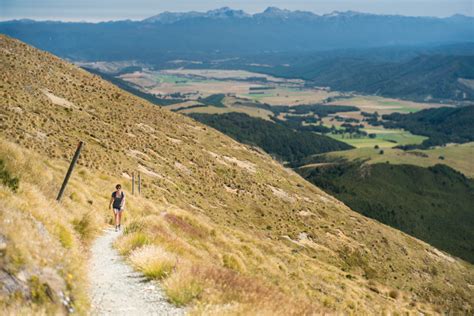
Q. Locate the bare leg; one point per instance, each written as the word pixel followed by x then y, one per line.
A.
pixel 116 218
pixel 119 218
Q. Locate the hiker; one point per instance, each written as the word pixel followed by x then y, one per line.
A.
pixel 117 202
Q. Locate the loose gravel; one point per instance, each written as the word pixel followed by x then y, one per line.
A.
pixel 116 289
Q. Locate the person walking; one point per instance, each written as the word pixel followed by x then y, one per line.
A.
pixel 117 204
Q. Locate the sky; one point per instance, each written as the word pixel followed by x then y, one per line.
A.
pixel 105 10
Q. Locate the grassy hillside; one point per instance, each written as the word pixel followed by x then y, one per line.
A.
pixel 42 243
pixel 280 141
pixel 442 125
pixel 226 228
pixel 433 204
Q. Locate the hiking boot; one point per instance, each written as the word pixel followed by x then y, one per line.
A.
pixel 116 228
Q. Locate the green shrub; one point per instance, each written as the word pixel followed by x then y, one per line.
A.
pixel 65 237
pixel 394 294
pixel 133 227
pixel 139 240
pixel 40 292
pixel 7 179
pixel 84 227
pixel 158 270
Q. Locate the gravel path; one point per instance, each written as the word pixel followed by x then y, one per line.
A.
pixel 116 289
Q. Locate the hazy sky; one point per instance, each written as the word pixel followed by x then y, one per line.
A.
pixel 100 10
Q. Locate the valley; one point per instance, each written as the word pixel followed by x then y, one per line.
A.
pixel 289 102
pixel 266 97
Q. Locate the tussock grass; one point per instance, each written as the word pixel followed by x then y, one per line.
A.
pixel 220 290
pixel 233 262
pixel 65 237
pixel 182 287
pixel 153 261
pixel 84 226
pixel 192 276
pixel 131 242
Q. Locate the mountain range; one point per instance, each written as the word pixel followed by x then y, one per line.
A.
pixel 226 32
pixel 269 13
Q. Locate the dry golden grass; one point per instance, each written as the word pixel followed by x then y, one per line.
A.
pixel 153 261
pixel 204 267
pixel 44 249
pixel 263 229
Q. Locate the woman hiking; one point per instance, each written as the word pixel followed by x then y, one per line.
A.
pixel 117 203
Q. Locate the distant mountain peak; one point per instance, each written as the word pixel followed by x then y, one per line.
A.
pixel 460 17
pixel 277 13
pixel 220 13
pixel 226 12
pixel 275 10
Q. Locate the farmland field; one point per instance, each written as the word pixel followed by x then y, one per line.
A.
pixel 259 88
pixel 385 138
pixel 254 112
pixel 164 83
pixel 291 96
pixel 225 75
pixel 249 93
pixel 202 83
pixel 457 156
pixel 385 105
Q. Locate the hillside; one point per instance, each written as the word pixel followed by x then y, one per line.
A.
pixel 226 228
pixel 433 76
pixel 436 208
pixel 442 125
pixel 286 144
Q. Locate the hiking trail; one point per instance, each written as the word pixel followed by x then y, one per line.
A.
pixel 116 289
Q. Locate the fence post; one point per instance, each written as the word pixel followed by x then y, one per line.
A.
pixel 133 183
pixel 69 171
pixel 139 184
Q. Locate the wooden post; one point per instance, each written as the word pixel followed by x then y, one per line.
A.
pixel 139 184
pixel 133 183
pixel 69 171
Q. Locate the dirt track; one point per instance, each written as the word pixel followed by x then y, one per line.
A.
pixel 116 289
